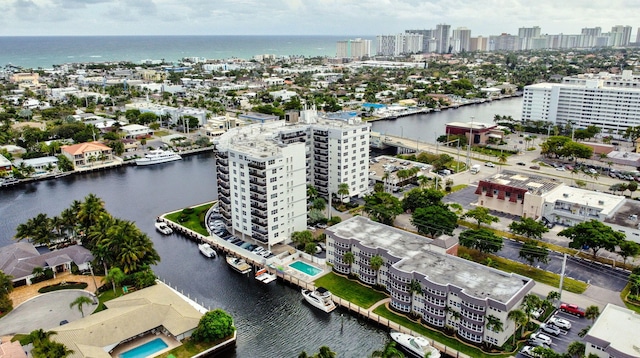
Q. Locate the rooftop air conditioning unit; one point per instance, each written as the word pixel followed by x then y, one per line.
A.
pixel 566 195
pixel 601 202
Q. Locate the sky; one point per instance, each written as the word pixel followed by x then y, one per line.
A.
pixel 307 17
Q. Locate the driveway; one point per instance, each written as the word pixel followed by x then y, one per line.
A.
pixel 45 311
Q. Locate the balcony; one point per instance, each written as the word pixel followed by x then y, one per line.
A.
pixel 259 206
pixel 225 200
pixel 256 165
pixel 257 173
pixel 320 159
pixel 319 139
pixel 321 152
pixel 260 230
pixel 222 162
pixel 259 222
pixel 223 169
pixel 224 184
pixel 259 214
pixel 321 145
pixel 258 197
pixel 226 215
pixel 259 237
pixel 225 192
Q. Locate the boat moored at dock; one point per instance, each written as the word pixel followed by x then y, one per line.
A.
pixel 207 250
pixel 239 265
pixel 319 298
pixel 417 346
pixel 264 276
pixel 158 156
pixel 163 228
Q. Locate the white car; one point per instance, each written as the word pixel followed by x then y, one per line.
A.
pixel 489 164
pixel 560 323
pixel 528 351
pixel 551 329
pixel 541 337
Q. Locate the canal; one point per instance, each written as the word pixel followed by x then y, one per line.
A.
pixel 272 320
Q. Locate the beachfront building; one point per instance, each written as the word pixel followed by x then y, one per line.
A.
pixel 614 334
pixel 454 292
pixel 612 103
pixel 355 49
pixel 87 154
pixel 153 313
pixel 263 171
pixel 520 194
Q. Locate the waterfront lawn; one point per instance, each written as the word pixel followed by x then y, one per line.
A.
pixel 194 219
pixel 537 274
pixel 451 342
pixel 107 296
pixel 350 290
pixel 188 349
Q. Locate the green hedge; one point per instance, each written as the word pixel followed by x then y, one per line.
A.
pixel 66 286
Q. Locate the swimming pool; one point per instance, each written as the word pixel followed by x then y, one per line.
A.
pixel 305 268
pixel 146 349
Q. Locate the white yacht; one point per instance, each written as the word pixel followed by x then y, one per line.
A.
pixel 207 250
pixel 320 298
pixel 158 156
pixel 163 228
pixel 263 275
pixel 417 346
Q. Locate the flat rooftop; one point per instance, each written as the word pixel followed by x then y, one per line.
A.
pixel 626 215
pixel 619 326
pixel 535 184
pixel 476 280
pixel 606 203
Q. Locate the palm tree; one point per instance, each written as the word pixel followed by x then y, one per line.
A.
pixel 40 335
pixel 325 352
pixel 343 189
pixel 6 285
pixel 389 351
pixel 349 258
pixel 37 272
pixel 576 349
pixel 115 276
pixel 385 179
pixel 494 324
pixel 592 312
pixel 519 318
pixel 80 301
pixel 135 252
pixel 415 288
pixel 553 296
pixel 376 263
pixel 90 211
pixel 502 160
pixel 312 192
pixel 530 303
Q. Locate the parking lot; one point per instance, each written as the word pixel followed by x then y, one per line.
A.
pixel 561 342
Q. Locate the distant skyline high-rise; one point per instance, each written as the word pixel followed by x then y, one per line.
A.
pixel 461 39
pixel 442 38
pixel 357 48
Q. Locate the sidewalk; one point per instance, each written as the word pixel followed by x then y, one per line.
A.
pixel 592 296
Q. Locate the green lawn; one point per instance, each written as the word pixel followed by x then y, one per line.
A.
pixel 623 296
pixel 350 290
pixel 193 220
pixel 188 349
pixel 435 335
pixel 107 296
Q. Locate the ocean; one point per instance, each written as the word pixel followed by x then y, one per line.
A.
pixel 46 51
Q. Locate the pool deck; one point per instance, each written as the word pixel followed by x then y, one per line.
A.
pixel 290 271
pixel 171 343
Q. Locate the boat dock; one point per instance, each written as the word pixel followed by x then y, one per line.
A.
pixel 265 266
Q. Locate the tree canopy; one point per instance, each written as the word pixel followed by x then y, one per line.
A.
pixel 434 220
pixel 594 235
pixel 482 240
pixel 481 216
pixel 528 227
pixel 531 251
pixel 214 325
pixel 420 198
pixel 382 207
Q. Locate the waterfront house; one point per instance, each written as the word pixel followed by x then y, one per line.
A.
pixel 156 311
pixel 136 131
pixel 454 293
pixel 19 260
pixel 87 154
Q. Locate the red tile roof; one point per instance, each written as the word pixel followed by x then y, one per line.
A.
pixel 84 147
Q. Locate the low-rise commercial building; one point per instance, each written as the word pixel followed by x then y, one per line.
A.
pixel 453 292
pixel 569 206
pixel 515 193
pixel 614 334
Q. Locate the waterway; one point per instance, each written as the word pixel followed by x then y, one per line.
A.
pixel 272 320
pixel 426 127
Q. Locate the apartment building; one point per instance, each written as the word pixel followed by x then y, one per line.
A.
pixel 357 48
pixel 461 39
pixel 263 171
pixel 610 104
pixel 515 193
pixel 454 292
pixel 614 334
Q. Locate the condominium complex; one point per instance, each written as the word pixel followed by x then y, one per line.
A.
pixel 357 49
pixel 454 292
pixel 263 171
pixel 461 39
pixel 399 44
pixel 609 102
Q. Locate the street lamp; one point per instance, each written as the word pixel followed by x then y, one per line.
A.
pixel 469 145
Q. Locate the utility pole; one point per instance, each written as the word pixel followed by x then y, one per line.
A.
pixel 564 265
pixel 469 145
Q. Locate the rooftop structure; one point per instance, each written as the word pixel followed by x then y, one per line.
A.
pixel 521 194
pixel 614 334
pixel 625 219
pixel 465 287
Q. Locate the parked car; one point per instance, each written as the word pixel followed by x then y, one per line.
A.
pixel 536 167
pixel 573 309
pixel 489 164
pixel 541 337
pixel 560 322
pixel 551 329
pixel 528 351
pixel 521 163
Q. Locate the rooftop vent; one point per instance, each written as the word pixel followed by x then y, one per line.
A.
pixel 601 202
pixel 566 195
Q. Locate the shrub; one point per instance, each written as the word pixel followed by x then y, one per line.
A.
pixel 64 286
pixel 214 325
pixel 187 211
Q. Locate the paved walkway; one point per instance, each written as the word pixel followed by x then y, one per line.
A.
pixel 379 303
pixel 23 293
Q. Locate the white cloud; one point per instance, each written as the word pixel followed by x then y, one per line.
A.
pixel 332 17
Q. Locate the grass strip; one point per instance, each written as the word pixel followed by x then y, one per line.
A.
pixel 350 290
pixel 191 220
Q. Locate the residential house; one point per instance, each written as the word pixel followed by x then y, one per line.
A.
pixel 87 154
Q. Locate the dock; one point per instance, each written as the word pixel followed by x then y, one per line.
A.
pixel 265 266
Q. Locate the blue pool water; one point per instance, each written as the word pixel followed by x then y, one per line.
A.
pixel 305 268
pixel 146 349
